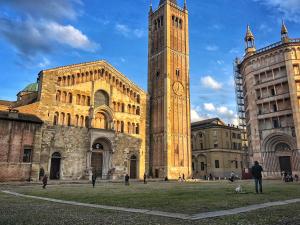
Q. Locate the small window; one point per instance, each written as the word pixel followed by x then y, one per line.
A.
pixel 217 164
pixel 275 123
pixel 27 155
pixel 215 144
pixel 177 73
pixel 236 165
pixel 202 166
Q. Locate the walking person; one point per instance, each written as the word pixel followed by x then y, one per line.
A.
pixel 257 175
pixel 45 181
pixel 127 179
pixel 145 178
pixel 94 177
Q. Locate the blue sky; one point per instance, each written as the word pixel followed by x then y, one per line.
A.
pixel 41 34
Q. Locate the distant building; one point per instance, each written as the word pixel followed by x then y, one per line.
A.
pixel 19 135
pixel 217 149
pixel 268 93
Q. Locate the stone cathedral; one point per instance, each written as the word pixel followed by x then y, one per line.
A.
pixel 88 118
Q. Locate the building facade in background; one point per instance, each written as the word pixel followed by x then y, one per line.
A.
pixel 169 91
pixel 268 93
pixel 217 149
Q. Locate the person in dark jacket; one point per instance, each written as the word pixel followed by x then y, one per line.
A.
pixel 257 175
pixel 94 177
pixel 127 179
pixel 45 181
pixel 145 178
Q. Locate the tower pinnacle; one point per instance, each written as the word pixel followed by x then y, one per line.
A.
pixel 249 41
pixel 284 32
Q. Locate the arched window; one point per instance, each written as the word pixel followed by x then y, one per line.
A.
pixel 119 107
pixel 122 127
pixel 83 98
pixel 137 129
pixel 114 106
pixel 55 118
pixel 70 98
pixel 64 81
pixel 58 94
pixel 88 101
pixel 133 128
pixel 101 98
pixel 138 111
pixel 76 120
pixel 73 79
pixel 68 119
pixel 138 99
pixel 129 108
pixel 78 99
pixel 123 107
pixel 59 81
pixel 62 118
pixel 129 128
pixel 133 109
pixel 69 81
pixel 64 97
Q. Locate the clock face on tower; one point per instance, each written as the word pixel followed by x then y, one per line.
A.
pixel 178 88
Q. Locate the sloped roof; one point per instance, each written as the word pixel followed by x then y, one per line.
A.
pixel 22 117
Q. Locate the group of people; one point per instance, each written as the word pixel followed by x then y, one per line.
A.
pixel 256 173
pixel 288 177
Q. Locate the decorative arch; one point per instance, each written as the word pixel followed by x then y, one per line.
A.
pixel 103 118
pixel 272 140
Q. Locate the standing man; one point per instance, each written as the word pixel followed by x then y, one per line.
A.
pixel 94 177
pixel 145 178
pixel 256 173
pixel 127 179
pixel 45 181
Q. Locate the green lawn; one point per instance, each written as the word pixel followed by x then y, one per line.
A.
pixel 24 211
pixel 185 198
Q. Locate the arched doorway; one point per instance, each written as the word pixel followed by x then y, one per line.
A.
pixel 55 166
pixel 133 167
pixel 97 163
pixel 101 158
pixel 284 160
pixel 279 154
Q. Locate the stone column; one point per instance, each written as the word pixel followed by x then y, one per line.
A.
pixel 88 163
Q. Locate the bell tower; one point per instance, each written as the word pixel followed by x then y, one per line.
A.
pixel 169 90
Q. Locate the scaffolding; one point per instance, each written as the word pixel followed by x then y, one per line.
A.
pixel 240 100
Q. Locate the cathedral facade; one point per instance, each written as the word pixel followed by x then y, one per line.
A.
pixel 89 118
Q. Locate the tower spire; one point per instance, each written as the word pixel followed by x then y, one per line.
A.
pixel 151 6
pixel 185 6
pixel 249 41
pixel 284 32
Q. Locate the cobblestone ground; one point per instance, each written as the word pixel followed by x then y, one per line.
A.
pixel 16 210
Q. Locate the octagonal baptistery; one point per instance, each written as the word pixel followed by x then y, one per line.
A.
pixel 271 99
pixel 94 123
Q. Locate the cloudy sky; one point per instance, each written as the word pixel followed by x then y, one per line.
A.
pixel 41 34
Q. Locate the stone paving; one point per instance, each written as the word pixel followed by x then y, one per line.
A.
pixel 165 214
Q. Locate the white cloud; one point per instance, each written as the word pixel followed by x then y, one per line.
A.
pixel 212 48
pixel 220 62
pixel 209 82
pixel 69 35
pixel 123 59
pixel 128 32
pixel 209 107
pixel 44 63
pixel 289 8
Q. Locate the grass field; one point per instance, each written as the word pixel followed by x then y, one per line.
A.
pixel 170 197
